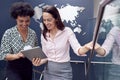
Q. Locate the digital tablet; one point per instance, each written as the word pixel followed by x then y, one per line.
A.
pixel 35 52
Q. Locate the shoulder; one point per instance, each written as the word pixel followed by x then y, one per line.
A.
pixel 31 31
pixel 68 29
pixel 10 31
pixel 115 30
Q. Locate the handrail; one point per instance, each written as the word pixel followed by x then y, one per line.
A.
pixel 97 62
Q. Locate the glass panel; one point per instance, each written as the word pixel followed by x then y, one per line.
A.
pixel 108 67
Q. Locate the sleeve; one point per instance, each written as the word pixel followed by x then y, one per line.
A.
pixel 109 41
pixel 5 45
pixel 73 41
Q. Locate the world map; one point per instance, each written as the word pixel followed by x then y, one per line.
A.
pixel 68 13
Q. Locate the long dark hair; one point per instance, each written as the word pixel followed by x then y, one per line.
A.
pixel 54 12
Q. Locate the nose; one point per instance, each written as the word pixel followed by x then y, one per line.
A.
pixel 24 23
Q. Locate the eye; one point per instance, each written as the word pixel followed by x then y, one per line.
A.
pixel 44 20
pixel 27 21
pixel 49 20
pixel 20 21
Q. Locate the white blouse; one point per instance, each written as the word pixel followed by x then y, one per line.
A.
pixel 58 50
pixel 112 42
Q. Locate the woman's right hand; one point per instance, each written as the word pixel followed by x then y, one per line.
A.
pixel 90 45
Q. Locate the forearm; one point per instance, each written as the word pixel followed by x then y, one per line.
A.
pixel 10 57
pixel 83 50
pixel 100 51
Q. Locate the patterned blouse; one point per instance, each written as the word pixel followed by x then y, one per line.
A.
pixel 12 41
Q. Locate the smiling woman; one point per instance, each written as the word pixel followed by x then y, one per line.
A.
pixel 56 40
pixel 15 39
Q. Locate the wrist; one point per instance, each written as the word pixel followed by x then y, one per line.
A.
pixel 100 51
pixel 83 50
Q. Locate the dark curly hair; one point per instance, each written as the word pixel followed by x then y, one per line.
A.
pixel 21 9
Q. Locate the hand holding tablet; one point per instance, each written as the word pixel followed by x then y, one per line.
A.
pixel 35 52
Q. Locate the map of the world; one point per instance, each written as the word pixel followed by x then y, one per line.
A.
pixel 69 15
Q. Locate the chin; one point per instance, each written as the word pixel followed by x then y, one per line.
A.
pixel 49 28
